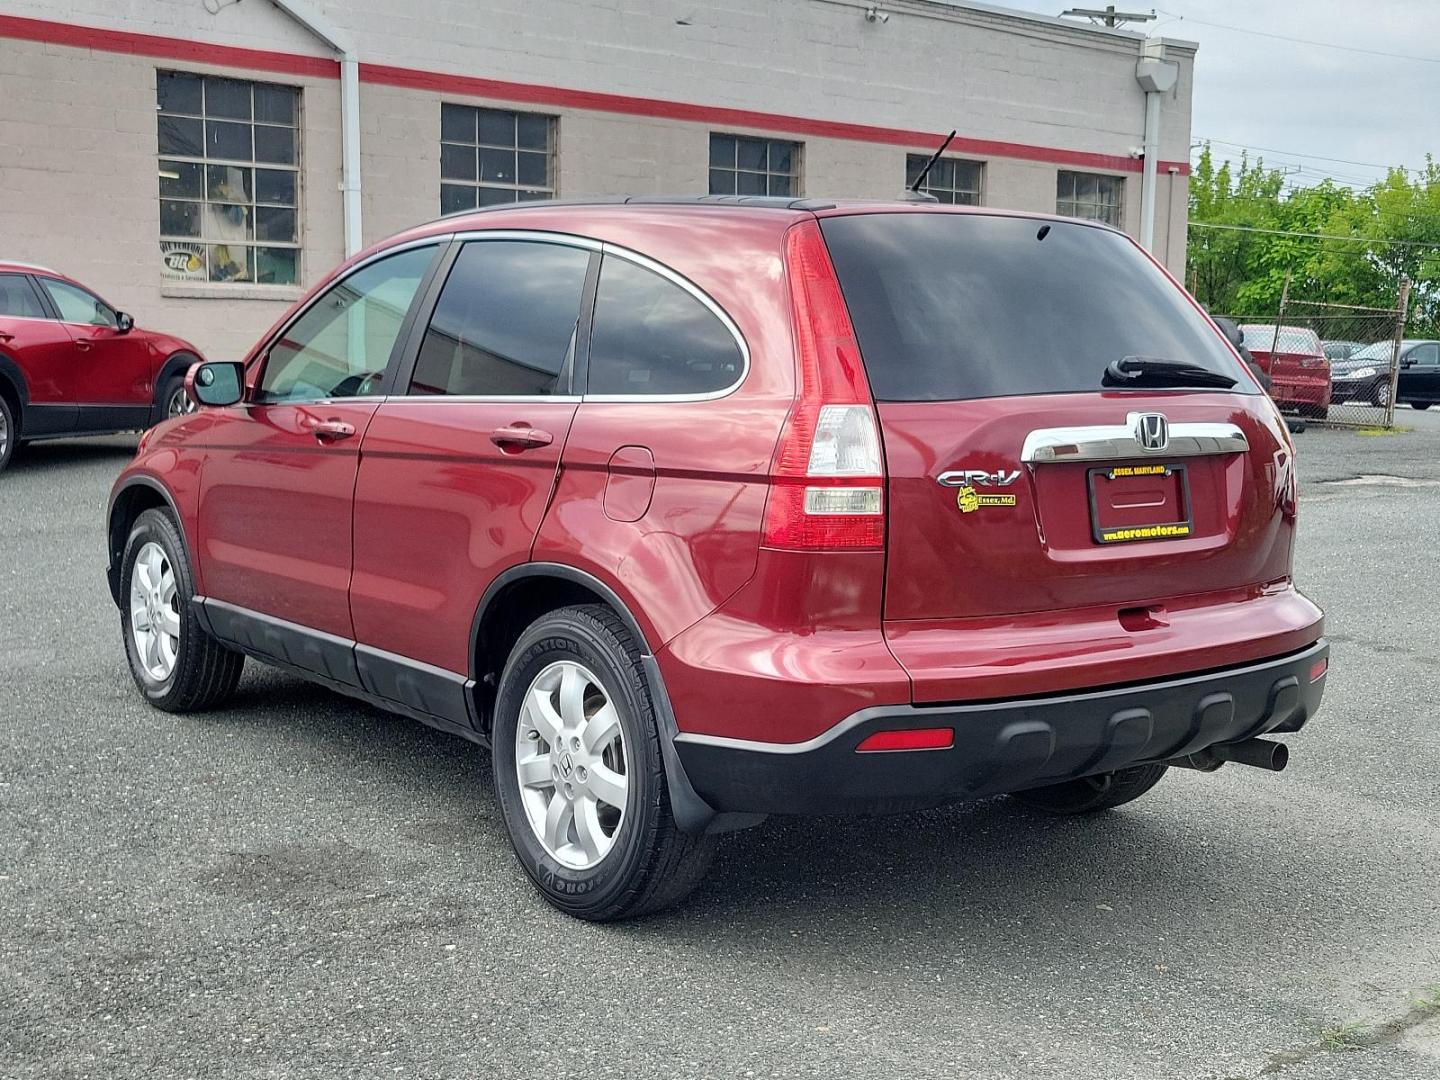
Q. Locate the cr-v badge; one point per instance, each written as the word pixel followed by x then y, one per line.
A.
pixel 970 500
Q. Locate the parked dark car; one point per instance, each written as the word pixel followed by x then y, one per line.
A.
pixel 700 511
pixel 1341 350
pixel 71 364
pixel 1365 377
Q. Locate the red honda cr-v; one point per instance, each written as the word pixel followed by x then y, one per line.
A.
pixel 70 364
pixel 698 511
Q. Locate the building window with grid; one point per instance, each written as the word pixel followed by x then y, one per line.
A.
pixel 1091 195
pixel 494 156
pixel 745 166
pixel 952 180
pixel 229 179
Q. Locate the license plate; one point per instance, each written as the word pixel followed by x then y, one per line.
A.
pixel 1132 503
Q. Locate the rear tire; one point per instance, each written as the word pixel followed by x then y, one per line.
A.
pixel 1419 406
pixel 574 698
pixel 1091 794
pixel 175 663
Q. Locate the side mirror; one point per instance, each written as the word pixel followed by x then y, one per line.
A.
pixel 124 322
pixel 216 382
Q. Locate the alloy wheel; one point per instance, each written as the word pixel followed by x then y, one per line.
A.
pixel 154 611
pixel 180 403
pixel 4 435
pixel 571 762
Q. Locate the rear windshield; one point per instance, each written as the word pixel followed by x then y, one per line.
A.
pixel 950 306
pixel 1291 339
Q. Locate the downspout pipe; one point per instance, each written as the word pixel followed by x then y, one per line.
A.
pixel 341 42
pixel 1156 76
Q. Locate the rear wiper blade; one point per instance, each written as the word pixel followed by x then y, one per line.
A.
pixel 1148 371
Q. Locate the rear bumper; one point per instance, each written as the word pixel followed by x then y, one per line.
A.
pixel 1343 390
pixel 1003 746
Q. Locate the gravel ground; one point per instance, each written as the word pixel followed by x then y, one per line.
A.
pixel 300 886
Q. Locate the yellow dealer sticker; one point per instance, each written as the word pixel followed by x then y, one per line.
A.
pixel 970 500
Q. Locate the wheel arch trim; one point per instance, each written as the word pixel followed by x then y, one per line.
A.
pixel 692 813
pixel 129 484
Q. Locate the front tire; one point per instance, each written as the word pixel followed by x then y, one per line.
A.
pixel 174 662
pixel 1419 406
pixel 1091 794
pixel 579 774
pixel 9 433
pixel 175 400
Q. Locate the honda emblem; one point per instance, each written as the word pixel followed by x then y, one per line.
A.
pixel 1152 432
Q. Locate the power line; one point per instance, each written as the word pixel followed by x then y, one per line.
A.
pixel 1310 157
pixel 1312 235
pixel 1304 41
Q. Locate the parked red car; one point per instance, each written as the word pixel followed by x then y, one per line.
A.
pixel 698 511
pixel 70 364
pixel 1295 360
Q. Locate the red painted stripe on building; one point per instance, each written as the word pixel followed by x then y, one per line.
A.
pixel 124 41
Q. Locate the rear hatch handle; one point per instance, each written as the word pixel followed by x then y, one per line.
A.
pixel 1142 435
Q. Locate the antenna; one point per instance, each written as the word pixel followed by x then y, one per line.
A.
pixel 915 187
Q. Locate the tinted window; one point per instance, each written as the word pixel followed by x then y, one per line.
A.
pixel 1426 355
pixel 18 298
pixel 950 306
pixel 78 306
pixel 505 322
pixel 653 337
pixel 1289 339
pixel 341 346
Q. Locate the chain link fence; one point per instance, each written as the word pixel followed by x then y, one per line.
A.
pixel 1336 363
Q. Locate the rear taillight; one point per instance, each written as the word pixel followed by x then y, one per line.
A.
pixel 827 483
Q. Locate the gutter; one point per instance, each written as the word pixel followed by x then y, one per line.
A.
pixel 341 42
pixel 1156 76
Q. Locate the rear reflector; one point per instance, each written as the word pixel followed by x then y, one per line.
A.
pixel 1318 669
pixel 931 738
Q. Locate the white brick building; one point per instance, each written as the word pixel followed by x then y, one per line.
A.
pixel 184 157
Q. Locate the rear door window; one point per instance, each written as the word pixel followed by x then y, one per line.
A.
pixel 653 336
pixel 954 306
pixel 18 299
pixel 505 323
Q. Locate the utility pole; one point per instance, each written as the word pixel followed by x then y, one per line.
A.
pixel 1108 16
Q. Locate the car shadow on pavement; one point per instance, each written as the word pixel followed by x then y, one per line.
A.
pixel 36 457
pixel 1182 857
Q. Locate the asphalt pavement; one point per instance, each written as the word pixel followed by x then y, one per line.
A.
pixel 302 886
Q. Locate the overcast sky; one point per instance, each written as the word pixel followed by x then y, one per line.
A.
pixel 1304 100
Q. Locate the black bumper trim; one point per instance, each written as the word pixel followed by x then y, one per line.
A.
pixel 1004 746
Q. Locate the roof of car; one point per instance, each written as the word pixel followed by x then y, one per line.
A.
pixel 793 207
pixel 28 268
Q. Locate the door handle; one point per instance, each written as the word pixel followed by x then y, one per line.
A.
pixel 327 431
pixel 520 437
pixel 83 344
pixel 5 335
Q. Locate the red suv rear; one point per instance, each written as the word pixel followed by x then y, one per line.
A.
pixel 698 511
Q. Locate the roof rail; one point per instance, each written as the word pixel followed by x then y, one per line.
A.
pixel 777 202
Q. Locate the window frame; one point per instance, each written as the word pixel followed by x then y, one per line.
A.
pixel 428 295
pixel 573 378
pixel 205 162
pixel 255 365
pixel 796 173
pixel 42 298
pixel 1119 206
pixel 549 190
pixel 979 164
